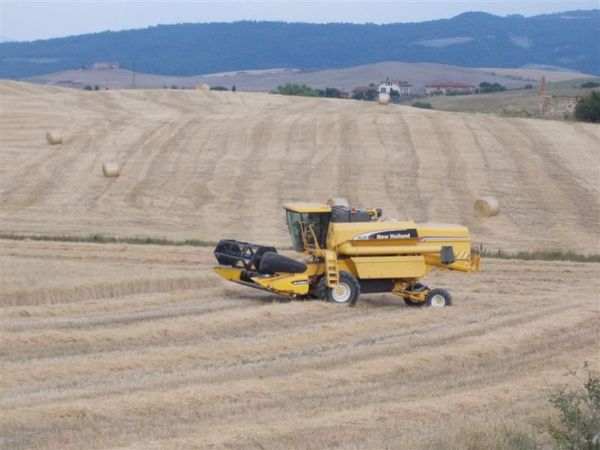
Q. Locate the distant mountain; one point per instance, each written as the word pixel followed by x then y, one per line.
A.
pixel 569 39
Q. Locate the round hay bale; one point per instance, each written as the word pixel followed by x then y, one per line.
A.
pixel 111 169
pixel 54 137
pixel 202 87
pixel 383 98
pixel 338 201
pixel 486 207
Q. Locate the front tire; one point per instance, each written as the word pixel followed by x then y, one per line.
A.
pixel 346 292
pixel 438 298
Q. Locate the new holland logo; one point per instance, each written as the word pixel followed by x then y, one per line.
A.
pixel 299 282
pixel 410 233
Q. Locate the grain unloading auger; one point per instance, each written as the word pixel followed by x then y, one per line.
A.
pixel 351 252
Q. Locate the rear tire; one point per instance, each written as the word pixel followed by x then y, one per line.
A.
pixel 438 298
pixel 346 292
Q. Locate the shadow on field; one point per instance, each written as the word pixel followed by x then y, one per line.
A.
pixel 261 297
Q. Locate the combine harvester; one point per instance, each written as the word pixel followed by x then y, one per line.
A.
pixel 351 252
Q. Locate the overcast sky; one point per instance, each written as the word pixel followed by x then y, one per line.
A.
pixel 29 20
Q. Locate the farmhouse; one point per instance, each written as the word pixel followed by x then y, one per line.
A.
pixel 449 88
pixel 555 106
pixel 402 87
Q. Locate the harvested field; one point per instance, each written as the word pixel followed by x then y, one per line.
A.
pixel 209 165
pixel 173 357
pixel 141 346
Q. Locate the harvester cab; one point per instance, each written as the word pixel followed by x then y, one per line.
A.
pixel 348 252
pixel 309 223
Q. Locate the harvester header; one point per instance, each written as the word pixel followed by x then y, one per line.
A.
pixel 350 251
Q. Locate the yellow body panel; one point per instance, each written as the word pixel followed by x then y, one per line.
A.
pixel 229 273
pixel 348 249
pixel 386 238
pixel 373 267
pixel 290 284
pixel 286 284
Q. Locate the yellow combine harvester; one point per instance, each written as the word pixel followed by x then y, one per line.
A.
pixel 351 252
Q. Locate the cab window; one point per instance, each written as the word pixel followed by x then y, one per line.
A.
pixel 319 222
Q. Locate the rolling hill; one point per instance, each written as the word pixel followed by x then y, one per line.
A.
pixel 473 39
pixel 212 165
pixel 417 74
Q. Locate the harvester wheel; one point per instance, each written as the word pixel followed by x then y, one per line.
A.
pixel 347 291
pixel 313 291
pixel 438 298
pixel 411 302
pixel 321 289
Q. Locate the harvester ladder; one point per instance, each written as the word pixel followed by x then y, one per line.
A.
pixel 331 268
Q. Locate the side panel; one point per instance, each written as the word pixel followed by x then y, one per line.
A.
pixel 371 267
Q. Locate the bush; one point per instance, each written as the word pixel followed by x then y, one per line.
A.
pixel 87 87
pixel 486 87
pixel 590 84
pixel 103 239
pixel 542 255
pixel 423 105
pixel 460 92
pixel 332 93
pixel 218 88
pixel 523 112
pixel 329 92
pixel 579 412
pixel 588 108
pixel 297 89
pixel 365 93
pixel 528 86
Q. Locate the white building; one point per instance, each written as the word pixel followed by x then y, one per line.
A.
pixel 402 87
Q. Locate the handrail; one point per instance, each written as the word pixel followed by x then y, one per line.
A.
pixel 303 229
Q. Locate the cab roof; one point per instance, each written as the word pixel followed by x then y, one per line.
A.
pixel 303 207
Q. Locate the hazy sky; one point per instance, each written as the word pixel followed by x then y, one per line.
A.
pixel 29 20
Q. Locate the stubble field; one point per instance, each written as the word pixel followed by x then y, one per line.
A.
pixel 122 346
